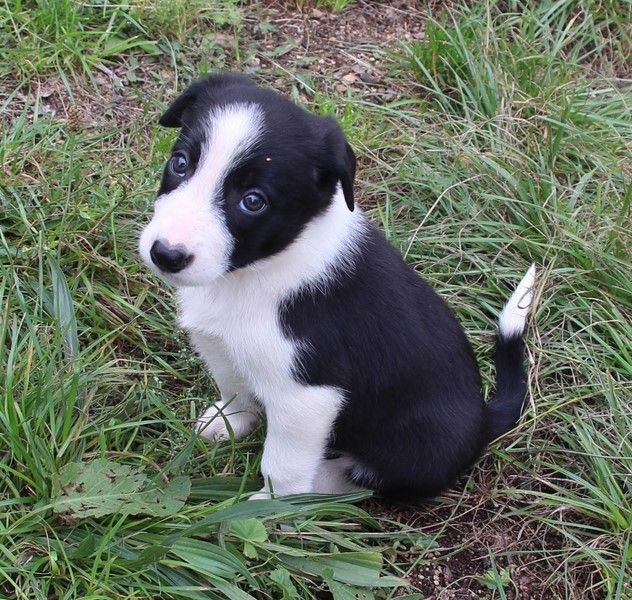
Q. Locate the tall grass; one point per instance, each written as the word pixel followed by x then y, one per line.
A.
pixel 522 153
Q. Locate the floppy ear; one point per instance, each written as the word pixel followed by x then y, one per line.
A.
pixel 173 115
pixel 346 170
pixel 341 161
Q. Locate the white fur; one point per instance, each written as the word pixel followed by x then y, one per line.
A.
pixel 190 215
pixel 332 476
pixel 234 324
pixel 236 410
pixel 513 318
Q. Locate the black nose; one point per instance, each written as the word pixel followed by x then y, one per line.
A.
pixel 169 258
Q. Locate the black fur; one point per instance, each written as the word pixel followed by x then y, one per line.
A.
pixel 511 385
pixel 414 412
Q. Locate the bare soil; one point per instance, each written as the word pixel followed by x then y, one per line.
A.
pixel 344 50
pixel 472 540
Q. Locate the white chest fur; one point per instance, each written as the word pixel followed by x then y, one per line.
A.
pixel 241 315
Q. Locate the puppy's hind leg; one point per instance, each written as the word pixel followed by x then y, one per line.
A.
pixel 332 476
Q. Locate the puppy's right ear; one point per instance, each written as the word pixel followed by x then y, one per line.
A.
pixel 173 116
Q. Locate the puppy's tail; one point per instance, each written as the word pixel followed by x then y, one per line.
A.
pixel 511 379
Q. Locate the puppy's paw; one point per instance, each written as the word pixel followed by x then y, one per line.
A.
pixel 214 423
pixel 262 494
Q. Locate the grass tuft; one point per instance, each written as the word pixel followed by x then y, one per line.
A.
pixel 334 6
pixel 74 38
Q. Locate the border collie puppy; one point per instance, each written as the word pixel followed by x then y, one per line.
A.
pixel 304 313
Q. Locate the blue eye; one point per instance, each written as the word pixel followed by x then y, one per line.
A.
pixel 179 163
pixel 253 202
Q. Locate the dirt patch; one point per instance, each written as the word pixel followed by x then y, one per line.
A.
pixel 475 541
pixel 77 102
pixel 281 44
pixel 343 50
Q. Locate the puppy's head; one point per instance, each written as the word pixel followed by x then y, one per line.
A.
pixel 249 170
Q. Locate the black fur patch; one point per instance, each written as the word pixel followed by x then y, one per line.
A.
pixel 414 414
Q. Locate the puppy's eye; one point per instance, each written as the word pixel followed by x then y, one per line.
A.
pixel 253 202
pixel 179 163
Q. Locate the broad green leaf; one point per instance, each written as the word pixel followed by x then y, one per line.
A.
pixel 355 568
pixel 181 584
pixel 344 591
pixel 238 511
pixel 230 591
pixel 249 530
pixel 250 551
pixel 282 578
pixel 148 556
pixel 210 559
pixel 221 488
pixel 164 501
pixel 102 487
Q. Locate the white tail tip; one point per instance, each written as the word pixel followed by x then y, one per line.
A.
pixel 513 318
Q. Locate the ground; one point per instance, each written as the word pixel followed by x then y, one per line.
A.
pixel 489 135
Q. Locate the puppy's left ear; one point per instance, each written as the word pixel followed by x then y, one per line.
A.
pixel 341 161
pixel 173 115
pixel 347 168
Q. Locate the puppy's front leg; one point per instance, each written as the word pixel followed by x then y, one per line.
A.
pixel 299 426
pixel 236 408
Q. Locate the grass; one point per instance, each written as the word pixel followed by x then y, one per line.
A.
pixel 509 143
pixel 334 5
pixel 79 37
pixel 330 5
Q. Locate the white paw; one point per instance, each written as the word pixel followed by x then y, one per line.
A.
pixel 281 491
pixel 261 495
pixel 215 422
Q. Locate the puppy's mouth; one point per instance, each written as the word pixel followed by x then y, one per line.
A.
pixel 185 278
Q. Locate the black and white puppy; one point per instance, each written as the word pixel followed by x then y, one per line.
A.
pixel 303 311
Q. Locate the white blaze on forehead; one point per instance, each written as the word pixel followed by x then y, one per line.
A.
pixel 190 215
pixel 232 132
